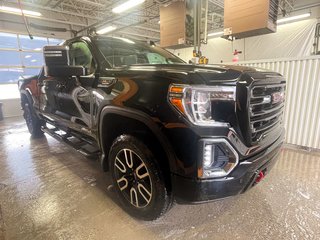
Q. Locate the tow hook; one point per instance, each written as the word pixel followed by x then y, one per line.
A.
pixel 260 176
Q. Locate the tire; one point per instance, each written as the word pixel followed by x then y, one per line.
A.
pixel 137 179
pixel 33 122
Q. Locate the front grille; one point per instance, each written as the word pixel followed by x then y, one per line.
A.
pixel 266 109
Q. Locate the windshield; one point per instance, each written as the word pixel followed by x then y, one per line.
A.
pixel 124 52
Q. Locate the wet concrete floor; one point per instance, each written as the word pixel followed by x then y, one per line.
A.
pixel 49 191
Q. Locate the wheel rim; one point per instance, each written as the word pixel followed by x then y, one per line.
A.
pixel 28 117
pixel 133 178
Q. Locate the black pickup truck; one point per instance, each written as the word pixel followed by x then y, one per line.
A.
pixel 168 131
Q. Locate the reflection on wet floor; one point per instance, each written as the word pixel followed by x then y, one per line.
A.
pixel 49 191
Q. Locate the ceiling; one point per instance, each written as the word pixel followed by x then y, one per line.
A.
pixel 140 23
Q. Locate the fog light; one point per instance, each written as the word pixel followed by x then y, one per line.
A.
pixel 218 158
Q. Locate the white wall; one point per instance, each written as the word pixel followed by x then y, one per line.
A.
pixel 11 107
pixel 302 106
pixel 292 40
pixel 10 97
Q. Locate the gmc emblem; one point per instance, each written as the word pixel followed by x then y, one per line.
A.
pixel 277 97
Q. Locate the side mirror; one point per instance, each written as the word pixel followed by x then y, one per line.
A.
pixel 57 63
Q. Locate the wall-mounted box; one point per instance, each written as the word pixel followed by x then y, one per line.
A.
pixel 247 18
pixel 177 24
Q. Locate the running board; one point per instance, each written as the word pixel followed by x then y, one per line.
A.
pixel 83 146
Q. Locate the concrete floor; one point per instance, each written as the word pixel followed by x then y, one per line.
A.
pixel 49 191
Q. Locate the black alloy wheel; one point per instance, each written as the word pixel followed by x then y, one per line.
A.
pixel 138 179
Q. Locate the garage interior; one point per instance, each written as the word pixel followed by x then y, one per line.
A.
pixel 50 191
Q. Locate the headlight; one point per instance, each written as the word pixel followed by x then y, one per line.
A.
pixel 195 102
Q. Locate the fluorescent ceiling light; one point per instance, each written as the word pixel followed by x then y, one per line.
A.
pixel 127 5
pixel 215 34
pixel 18 11
pixel 106 30
pixel 293 18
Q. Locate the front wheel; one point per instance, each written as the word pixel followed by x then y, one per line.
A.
pixel 33 122
pixel 138 180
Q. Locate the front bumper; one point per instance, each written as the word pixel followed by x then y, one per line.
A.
pixel 188 190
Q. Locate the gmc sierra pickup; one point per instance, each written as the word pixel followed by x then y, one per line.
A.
pixel 166 130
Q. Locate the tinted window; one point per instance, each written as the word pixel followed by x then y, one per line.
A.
pixel 124 52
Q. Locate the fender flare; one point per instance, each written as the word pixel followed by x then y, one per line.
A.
pixel 144 119
pixel 26 92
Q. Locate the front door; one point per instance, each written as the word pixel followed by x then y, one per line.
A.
pixel 75 98
pixel 69 98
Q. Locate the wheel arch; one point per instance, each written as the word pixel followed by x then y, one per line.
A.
pixel 26 96
pixel 116 121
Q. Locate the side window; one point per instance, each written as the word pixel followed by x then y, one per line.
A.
pixel 80 54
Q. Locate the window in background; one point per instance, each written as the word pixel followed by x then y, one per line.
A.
pixel 10 75
pixel 20 59
pixel 55 41
pixel 8 41
pixel 32 59
pixel 35 44
pixel 30 72
pixel 10 58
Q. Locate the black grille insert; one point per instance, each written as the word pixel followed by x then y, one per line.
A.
pixel 266 109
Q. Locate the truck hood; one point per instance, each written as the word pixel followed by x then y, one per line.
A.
pixel 199 74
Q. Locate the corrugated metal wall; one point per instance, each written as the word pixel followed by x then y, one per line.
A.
pixel 302 108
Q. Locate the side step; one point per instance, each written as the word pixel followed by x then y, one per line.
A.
pixel 82 145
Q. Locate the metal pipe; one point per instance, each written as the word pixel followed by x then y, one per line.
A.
pixel 199 20
pixel 306 7
pixel 148 29
pixel 289 4
pixel 57 3
pixel 139 35
pixel 59 11
pixel 317 40
pixel 105 21
pixel 194 25
pixel 206 22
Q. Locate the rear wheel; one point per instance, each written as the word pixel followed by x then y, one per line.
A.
pixel 33 122
pixel 137 178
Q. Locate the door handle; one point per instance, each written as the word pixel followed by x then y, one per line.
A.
pixel 106 81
